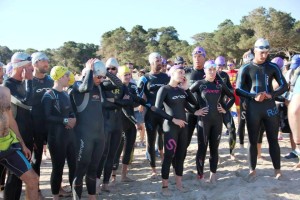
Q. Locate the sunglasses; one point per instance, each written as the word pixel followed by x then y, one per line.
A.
pixel 230 65
pixel 100 77
pixel 111 68
pixel 43 59
pixel 221 65
pixel 263 47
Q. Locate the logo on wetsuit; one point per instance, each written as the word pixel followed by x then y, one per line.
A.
pixel 179 97
pixel 171 144
pixel 272 112
pixel 42 90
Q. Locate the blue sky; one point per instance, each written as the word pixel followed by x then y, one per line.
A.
pixel 42 24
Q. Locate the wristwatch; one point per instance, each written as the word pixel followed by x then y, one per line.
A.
pixel 66 121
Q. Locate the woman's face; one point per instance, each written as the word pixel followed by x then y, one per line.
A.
pixel 178 75
pixel 210 73
pixel 125 78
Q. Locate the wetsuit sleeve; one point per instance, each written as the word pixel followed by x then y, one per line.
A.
pixel 107 85
pixel 161 95
pixel 193 88
pixel 47 102
pixel 283 86
pixel 114 79
pixel 229 94
pixel 87 83
pixel 228 84
pixel 28 100
pixel 142 85
pixel 124 102
pixel 241 83
pixel 190 97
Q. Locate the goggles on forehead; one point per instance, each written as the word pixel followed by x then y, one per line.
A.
pixel 262 48
pixel 198 52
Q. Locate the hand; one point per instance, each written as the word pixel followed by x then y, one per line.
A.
pixel 26 152
pixel 221 109
pixel 28 72
pixel 184 84
pixel 90 64
pixel 268 96
pixel 141 108
pixel 126 96
pixel 202 111
pixel 71 123
pixel 260 96
pixel 179 122
pixel 112 100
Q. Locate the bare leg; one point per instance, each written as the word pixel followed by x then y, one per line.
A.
pixel 31 180
pixel 124 177
pixel 251 177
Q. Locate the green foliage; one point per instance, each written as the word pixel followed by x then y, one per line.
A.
pixel 229 40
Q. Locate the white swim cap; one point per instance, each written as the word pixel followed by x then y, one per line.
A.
pixel 153 56
pixel 111 62
pixel 20 59
pixel 262 45
pixel 37 56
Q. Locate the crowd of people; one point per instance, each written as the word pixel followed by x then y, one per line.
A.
pixel 89 120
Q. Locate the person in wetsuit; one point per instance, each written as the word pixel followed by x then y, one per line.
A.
pixel 128 123
pixel 194 74
pixel 20 85
pixel 210 92
pixel 41 82
pixel 148 85
pixel 227 117
pixel 86 96
pixel 174 98
pixel 60 120
pixel 112 111
pixel 255 85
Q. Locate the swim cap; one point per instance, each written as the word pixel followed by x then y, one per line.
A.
pixel 278 61
pixel 210 63
pixel 123 70
pixel 220 60
pixel 72 79
pixel 163 61
pixel 152 57
pixel 111 62
pixel 199 50
pixel 37 56
pixel 295 63
pixel 262 44
pixel 57 72
pixel 20 59
pixel 247 57
pixel 173 68
pixel 179 60
pixel 99 68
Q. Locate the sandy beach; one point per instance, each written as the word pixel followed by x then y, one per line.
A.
pixel 230 184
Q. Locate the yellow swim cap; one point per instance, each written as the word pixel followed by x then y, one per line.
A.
pixel 123 70
pixel 57 72
pixel 72 79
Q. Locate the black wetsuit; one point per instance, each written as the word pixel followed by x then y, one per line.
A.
pixel 149 84
pixel 210 94
pixel 192 76
pixel 227 117
pixel 253 79
pixel 174 100
pixel 61 141
pixel 89 131
pixel 112 113
pixel 40 86
pixel 128 125
pixel 22 91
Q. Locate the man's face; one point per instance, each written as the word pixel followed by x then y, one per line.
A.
pixel 198 61
pixel 112 69
pixel 42 66
pixel 156 64
pixel 260 56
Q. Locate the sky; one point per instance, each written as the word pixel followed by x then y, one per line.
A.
pixel 42 24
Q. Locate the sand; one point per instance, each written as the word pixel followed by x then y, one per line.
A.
pixel 230 177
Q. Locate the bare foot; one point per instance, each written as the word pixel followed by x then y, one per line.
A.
pixel 166 192
pixel 154 175
pixel 181 189
pixel 232 156
pixel 105 188
pixel 297 166
pixel 251 177
pixel 213 178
